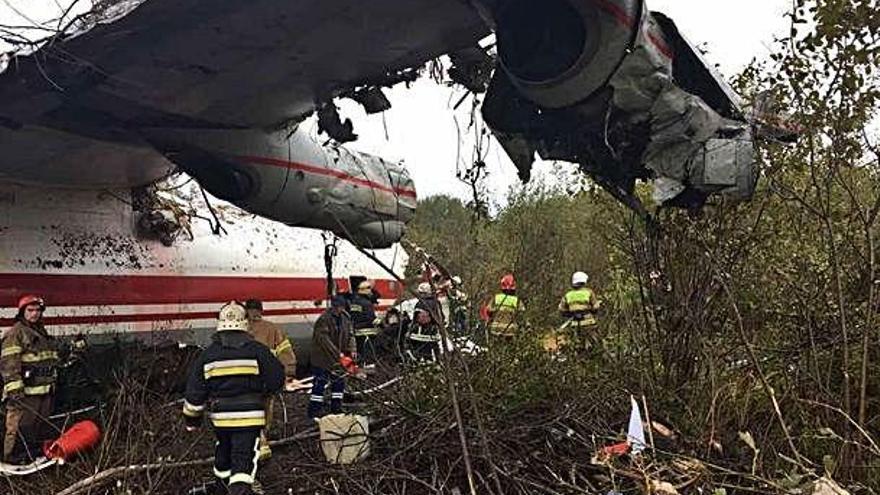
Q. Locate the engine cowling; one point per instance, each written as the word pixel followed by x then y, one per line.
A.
pixel 617 90
pixel 294 180
pixel 559 52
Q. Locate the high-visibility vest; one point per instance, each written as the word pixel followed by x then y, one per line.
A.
pixel 581 304
pixel 504 313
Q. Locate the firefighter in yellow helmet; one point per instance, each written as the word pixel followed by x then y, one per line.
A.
pixel 505 310
pixel 580 306
pixel 273 337
pixel 29 365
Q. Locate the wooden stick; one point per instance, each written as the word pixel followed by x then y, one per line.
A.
pixel 115 472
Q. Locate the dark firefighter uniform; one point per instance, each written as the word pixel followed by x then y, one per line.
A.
pixel 332 343
pixel 273 337
pixel 230 381
pixel 362 309
pixel 424 335
pixel 28 363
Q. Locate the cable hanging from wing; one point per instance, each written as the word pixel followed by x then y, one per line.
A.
pixel 330 251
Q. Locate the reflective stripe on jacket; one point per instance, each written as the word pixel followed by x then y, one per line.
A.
pixel 28 360
pixel 230 380
pixel 273 337
pixel 580 305
pixel 505 311
pixel 363 314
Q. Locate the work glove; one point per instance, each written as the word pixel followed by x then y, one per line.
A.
pixel 292 384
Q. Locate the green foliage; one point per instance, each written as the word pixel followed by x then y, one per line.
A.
pixel 707 314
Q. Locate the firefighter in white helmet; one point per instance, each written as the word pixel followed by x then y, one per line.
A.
pixel 579 306
pixel 229 383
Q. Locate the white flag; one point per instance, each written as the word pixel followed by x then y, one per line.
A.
pixel 635 435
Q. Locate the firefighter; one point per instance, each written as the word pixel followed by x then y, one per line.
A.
pixel 231 380
pixel 29 365
pixel 424 334
pixel 362 309
pixel 332 348
pixel 273 337
pixel 394 327
pixel 579 306
pixel 505 310
pixel 453 300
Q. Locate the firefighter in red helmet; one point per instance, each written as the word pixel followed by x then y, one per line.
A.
pixel 29 366
pixel 505 310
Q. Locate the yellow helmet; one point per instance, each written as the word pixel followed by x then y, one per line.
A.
pixel 232 316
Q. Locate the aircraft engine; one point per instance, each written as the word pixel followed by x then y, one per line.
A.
pixel 617 89
pixel 290 178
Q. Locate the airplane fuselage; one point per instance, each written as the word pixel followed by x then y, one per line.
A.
pixel 104 278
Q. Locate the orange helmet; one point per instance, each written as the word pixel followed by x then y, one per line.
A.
pixel 508 282
pixel 29 299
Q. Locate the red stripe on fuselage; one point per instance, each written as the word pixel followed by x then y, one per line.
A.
pixel 162 317
pixel 627 21
pixel 275 162
pixel 141 317
pixel 114 290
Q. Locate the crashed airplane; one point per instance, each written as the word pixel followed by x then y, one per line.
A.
pixel 217 89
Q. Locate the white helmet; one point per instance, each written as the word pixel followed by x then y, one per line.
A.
pixel 424 289
pixel 232 316
pixel 579 278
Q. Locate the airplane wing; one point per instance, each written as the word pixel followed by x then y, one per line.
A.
pixel 229 63
pixel 210 86
pixel 217 64
pixel 109 105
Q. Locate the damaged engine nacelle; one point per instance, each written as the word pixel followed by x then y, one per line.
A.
pixel 290 178
pixel 616 89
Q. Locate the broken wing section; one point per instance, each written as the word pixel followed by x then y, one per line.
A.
pixel 290 178
pixel 615 88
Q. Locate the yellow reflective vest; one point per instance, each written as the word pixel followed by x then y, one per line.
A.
pixel 505 312
pixel 580 305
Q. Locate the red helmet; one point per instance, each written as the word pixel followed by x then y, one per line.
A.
pixel 29 299
pixel 508 282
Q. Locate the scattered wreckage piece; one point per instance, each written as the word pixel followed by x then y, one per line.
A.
pixel 618 90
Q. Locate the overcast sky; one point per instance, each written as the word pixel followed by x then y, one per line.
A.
pixel 420 129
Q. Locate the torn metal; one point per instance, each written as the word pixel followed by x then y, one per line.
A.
pixel 617 90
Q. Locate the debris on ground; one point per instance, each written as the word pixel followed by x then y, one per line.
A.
pixel 519 435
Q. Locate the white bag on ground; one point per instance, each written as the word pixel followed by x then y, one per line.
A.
pixel 344 438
